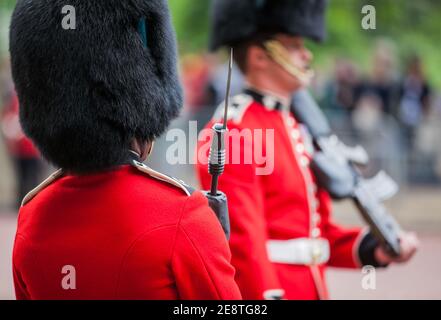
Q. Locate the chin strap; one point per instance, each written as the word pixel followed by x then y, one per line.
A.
pixel 280 55
pixel 152 145
pixel 138 155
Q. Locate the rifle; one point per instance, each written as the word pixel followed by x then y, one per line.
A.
pixel 216 162
pixel 335 166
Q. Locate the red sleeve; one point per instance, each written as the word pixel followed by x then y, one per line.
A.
pixel 20 289
pixel 201 257
pixel 19 285
pixel 255 274
pixel 344 242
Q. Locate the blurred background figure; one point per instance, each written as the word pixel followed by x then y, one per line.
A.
pixel 373 118
pixel 196 70
pixel 24 155
pixel 217 84
pixel 383 78
pixel 340 94
pixel 414 105
pixel 419 128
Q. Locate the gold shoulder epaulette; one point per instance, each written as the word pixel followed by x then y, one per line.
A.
pixel 162 177
pixel 51 179
pixel 238 107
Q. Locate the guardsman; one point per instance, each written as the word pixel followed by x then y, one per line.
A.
pixel 282 233
pixel 95 91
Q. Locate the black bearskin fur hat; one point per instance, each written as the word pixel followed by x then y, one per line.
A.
pixel 234 21
pixel 85 93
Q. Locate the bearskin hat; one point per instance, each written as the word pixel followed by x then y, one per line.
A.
pixel 86 90
pixel 235 21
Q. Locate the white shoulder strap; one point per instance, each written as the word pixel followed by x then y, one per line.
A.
pixel 239 105
pixel 162 177
pixel 51 179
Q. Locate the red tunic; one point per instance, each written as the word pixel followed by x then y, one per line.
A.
pixel 127 234
pixel 283 205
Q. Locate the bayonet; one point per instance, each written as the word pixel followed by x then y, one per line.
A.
pixel 216 161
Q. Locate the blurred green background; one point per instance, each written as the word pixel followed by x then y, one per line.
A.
pixel 413 26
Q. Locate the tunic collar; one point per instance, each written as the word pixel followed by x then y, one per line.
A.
pixel 268 100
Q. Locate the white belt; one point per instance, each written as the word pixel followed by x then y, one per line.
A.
pixel 301 251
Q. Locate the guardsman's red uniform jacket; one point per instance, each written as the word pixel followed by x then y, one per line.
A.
pixel 282 233
pixel 127 233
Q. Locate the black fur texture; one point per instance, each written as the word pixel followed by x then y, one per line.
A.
pixel 234 21
pixel 86 93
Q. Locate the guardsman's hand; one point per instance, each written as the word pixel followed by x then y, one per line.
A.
pixel 409 244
